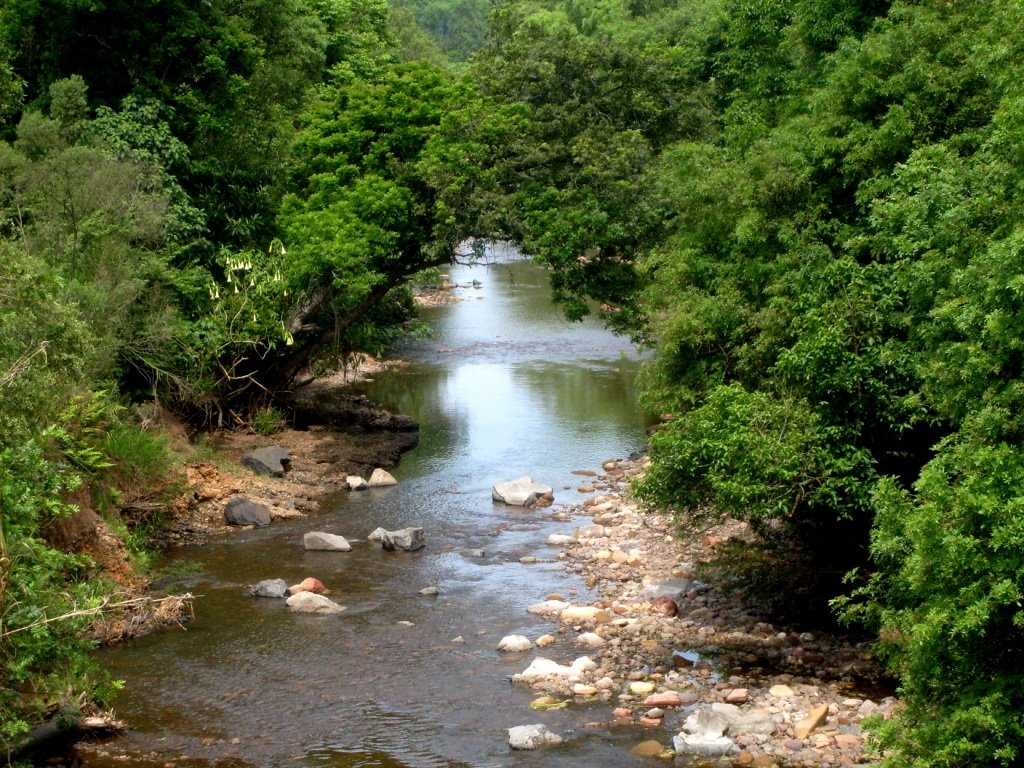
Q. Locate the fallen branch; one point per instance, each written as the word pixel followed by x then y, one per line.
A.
pixel 105 606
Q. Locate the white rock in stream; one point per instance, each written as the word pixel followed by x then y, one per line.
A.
pixel 541 669
pixel 561 539
pixel 310 602
pixel 356 483
pixel 515 643
pixel 381 478
pixel 531 736
pixel 328 542
pixel 521 492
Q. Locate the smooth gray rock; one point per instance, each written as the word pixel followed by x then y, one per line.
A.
pixel 271 588
pixel 271 461
pixel 327 542
pixel 310 602
pixel 521 492
pixel 242 511
pixel 407 539
pixel 531 736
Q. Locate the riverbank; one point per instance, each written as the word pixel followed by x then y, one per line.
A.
pixel 674 655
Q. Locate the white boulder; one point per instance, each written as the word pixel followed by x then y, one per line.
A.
pixel 521 492
pixel 531 736
pixel 310 602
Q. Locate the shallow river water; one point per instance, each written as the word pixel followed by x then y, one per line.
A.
pixel 504 387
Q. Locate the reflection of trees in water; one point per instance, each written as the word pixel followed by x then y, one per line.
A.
pixel 599 398
pixel 421 393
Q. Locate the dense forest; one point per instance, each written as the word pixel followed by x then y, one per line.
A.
pixel 811 210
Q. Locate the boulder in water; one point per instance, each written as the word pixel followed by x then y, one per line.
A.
pixel 521 492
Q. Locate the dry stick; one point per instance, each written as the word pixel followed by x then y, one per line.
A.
pixel 97 610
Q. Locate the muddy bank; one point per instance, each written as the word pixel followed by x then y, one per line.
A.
pixel 343 435
pixel 700 671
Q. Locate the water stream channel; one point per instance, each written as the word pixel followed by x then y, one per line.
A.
pixel 503 387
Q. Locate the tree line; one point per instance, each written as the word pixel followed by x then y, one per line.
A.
pixel 809 210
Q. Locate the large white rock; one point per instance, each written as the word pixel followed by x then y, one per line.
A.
pixel 381 478
pixel 310 602
pixel 561 539
pixel 521 492
pixel 329 542
pixel 515 643
pixel 531 736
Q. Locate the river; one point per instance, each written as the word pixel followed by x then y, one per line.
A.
pixel 503 387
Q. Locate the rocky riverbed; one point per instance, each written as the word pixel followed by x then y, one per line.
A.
pixel 702 672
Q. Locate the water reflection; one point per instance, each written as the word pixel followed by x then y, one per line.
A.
pixel 504 387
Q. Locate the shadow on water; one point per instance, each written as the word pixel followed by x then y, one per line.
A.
pixel 505 387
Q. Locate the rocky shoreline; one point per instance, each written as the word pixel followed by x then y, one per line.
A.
pixel 701 672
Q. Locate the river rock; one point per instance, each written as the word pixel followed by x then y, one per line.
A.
pixel 242 511
pixel 310 602
pixel 328 542
pixel 521 492
pixel 356 483
pixel 308 584
pixel 575 613
pixel 515 643
pixel 406 539
pixel 381 478
pixel 560 539
pixel 271 588
pixel 591 640
pixel 272 460
pixel 531 737
pixel 704 734
pixel 541 670
pixel 547 608
pixel 814 718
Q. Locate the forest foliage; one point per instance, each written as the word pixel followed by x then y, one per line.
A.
pixel 809 210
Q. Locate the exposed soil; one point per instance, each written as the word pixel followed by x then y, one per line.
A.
pixel 356 438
